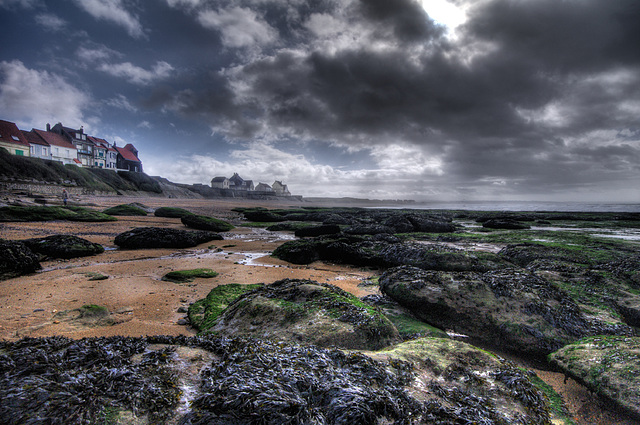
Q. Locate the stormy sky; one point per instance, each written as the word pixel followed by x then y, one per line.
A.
pixel 385 99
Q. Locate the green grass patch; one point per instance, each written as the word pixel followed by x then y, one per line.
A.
pixel 183 276
pixel 204 313
pixel 125 210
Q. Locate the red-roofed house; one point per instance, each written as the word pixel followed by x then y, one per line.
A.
pixel 79 139
pixel 12 139
pixel 128 159
pixel 61 149
pixel 39 148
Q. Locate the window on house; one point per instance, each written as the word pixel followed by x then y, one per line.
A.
pixel 19 153
pixel 16 138
pixel 44 151
pixel 33 150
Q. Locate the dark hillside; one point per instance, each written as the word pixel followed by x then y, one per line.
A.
pixel 46 171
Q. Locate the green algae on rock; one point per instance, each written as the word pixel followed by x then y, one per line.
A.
pixel 608 366
pixel 204 313
pixel 511 308
pixel 202 222
pixel 125 210
pixel 183 276
pixel 171 212
pixel 310 312
pixel 37 213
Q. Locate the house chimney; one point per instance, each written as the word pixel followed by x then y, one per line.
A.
pixel 48 127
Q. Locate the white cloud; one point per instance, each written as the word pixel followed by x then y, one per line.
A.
pixel 121 102
pixel 115 12
pixel 50 22
pixel 32 98
pixel 137 75
pixel 97 54
pixel 239 27
pixel 144 124
pixel 262 162
pixel 189 4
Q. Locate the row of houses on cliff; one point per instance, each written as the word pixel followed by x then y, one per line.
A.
pixel 237 183
pixel 69 146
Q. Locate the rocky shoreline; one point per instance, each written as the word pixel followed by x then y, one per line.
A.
pixel 529 285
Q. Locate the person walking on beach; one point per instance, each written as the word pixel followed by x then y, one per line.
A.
pixel 65 197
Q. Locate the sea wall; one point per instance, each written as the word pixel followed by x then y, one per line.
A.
pixel 49 189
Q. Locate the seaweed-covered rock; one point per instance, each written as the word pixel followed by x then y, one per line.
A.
pixel 312 231
pixel 512 308
pixel 608 365
pixel 385 251
pixel 164 380
pixel 429 225
pixel 263 216
pixel 40 213
pixel 63 246
pixel 158 237
pixel 465 384
pixel 298 252
pixel 367 229
pixel 438 257
pixel 202 222
pixel 171 212
pixel 16 259
pixel 526 253
pixel 309 312
pixel 497 223
pixel 125 210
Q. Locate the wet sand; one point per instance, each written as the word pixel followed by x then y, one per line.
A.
pixel 143 304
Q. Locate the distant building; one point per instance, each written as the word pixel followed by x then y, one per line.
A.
pixel 12 139
pixel 280 189
pixel 263 187
pixel 78 138
pixel 60 148
pixel 39 148
pixel 128 159
pixel 220 182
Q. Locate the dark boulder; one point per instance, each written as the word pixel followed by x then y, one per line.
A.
pixel 429 225
pixel 63 246
pixel 202 222
pixel 399 224
pixel 157 237
pixel 496 223
pixel 607 365
pixel 263 216
pixel 298 252
pixel 16 259
pixel 438 257
pixel 367 229
pixel 511 308
pixel 313 231
pixel 309 312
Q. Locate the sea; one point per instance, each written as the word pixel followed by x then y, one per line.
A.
pixel 520 206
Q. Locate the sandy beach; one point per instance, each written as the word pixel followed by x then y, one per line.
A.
pixel 141 303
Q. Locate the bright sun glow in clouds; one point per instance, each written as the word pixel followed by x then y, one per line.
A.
pixel 444 12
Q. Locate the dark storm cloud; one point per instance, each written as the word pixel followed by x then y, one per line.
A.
pixel 524 94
